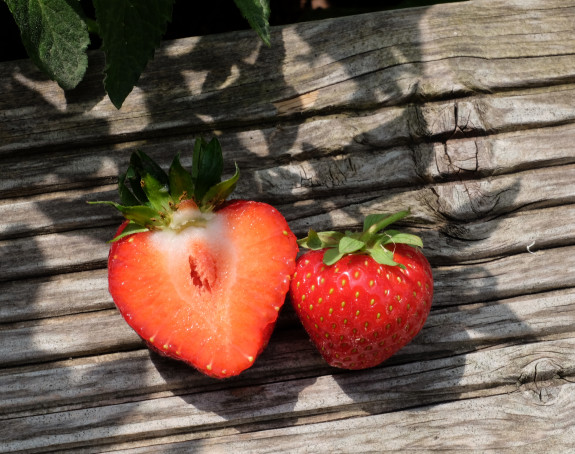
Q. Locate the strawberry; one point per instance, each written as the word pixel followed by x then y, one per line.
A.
pixel 362 296
pixel 199 279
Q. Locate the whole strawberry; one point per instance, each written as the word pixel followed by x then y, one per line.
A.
pixel 199 279
pixel 362 296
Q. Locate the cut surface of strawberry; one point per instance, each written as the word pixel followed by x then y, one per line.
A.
pixel 206 286
pixel 359 311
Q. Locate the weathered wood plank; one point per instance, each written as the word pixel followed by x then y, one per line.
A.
pixel 46 255
pixel 527 236
pixel 54 296
pixel 528 368
pixel 363 168
pixel 506 423
pixel 64 337
pixel 295 152
pixel 462 112
pixel 114 378
pixel 463 201
pixel 117 378
pixel 351 63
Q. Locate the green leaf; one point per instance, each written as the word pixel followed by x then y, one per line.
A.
pixel 130 31
pixel 401 238
pixel 330 238
pixel 158 194
pixel 379 221
pixel 142 215
pixel 130 229
pixel 311 241
pixel 331 256
pixel 383 256
pixel 55 37
pixel 372 219
pixel 152 179
pixel 134 180
pixel 181 183
pixel 207 166
pixel 319 240
pixel 349 245
pixel 257 12
pixel 219 192
pixel 126 196
pixel 144 165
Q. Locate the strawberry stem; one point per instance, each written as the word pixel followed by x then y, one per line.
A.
pixel 371 241
pixel 152 199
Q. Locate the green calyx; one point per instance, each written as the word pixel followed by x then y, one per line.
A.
pixel 371 241
pixel 152 199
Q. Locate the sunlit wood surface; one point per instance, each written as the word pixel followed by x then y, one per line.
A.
pixel 463 112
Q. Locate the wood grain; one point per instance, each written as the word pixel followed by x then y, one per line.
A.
pixel 506 423
pixel 432 52
pixel 462 112
pixel 536 374
pixel 138 374
pixel 466 201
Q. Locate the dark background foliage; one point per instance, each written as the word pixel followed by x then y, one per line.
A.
pixel 218 16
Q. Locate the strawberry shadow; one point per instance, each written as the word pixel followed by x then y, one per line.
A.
pixel 266 392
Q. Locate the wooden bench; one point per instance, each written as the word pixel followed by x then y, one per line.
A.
pixel 463 112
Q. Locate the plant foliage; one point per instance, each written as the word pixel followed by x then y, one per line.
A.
pixel 56 35
pixel 371 241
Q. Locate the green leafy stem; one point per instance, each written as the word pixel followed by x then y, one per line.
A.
pixel 150 197
pixel 370 241
pixel 56 35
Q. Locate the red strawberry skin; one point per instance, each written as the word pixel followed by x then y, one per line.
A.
pixel 357 312
pixel 208 296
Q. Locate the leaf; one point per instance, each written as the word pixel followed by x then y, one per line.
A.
pixel 311 241
pixel 330 238
pixel 207 166
pixel 152 179
pixel 130 32
pixel 55 37
pixel 181 182
pixel 134 179
pixel 349 245
pixel 380 221
pixel 219 192
pixel 142 215
pixel 401 238
pixel 158 194
pixel 130 229
pixel 257 12
pixel 331 256
pixel 372 219
pixel 383 256
pixel 145 165
pixel 126 196
pixel 320 240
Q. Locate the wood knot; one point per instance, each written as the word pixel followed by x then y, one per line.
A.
pixel 541 380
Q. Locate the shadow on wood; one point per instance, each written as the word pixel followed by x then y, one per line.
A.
pixel 443 110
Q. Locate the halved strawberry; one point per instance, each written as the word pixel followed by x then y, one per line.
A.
pixel 198 279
